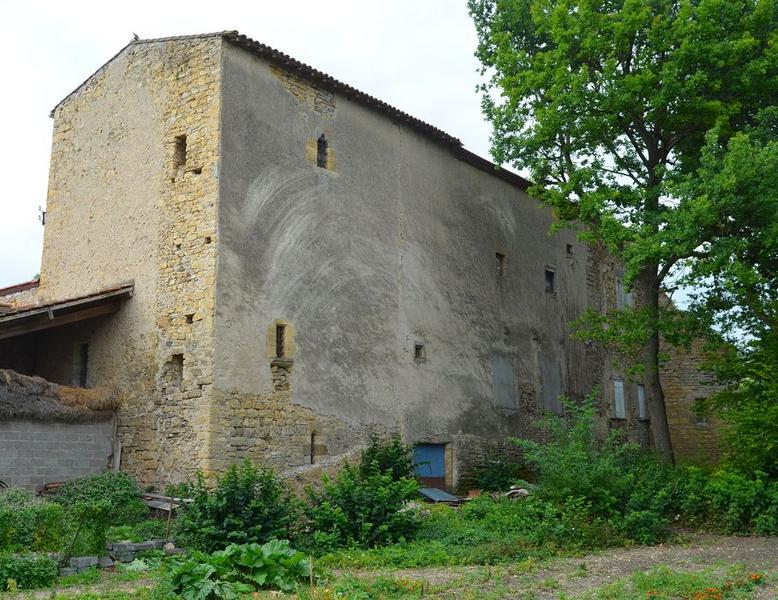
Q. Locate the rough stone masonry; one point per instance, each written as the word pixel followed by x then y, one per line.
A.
pixel 287 303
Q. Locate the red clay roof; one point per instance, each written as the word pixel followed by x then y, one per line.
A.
pixel 19 287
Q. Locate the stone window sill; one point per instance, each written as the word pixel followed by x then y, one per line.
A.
pixel 282 361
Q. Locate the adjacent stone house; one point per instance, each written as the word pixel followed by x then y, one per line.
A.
pixel 268 263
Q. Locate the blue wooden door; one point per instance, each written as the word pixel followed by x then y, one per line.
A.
pixel 430 464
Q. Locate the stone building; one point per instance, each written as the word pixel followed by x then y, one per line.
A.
pixel 268 263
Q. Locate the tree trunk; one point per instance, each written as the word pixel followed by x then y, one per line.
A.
pixel 648 287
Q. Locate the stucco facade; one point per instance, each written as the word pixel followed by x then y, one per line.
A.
pixel 308 266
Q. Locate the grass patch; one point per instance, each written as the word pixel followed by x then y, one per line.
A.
pixel 487 532
pixel 663 582
pixel 142 531
pixel 355 588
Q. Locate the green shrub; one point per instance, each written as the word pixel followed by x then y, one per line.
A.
pixel 729 501
pixel 142 531
pixel 28 571
pixel 116 491
pixel 628 486
pixel 496 473
pixel 488 531
pixel 29 523
pixel 361 506
pixel 238 569
pixel 748 406
pixel 248 505
pixel 387 456
pixel 91 520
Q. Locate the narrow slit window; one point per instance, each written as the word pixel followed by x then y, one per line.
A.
pixel 280 341
pixel 569 251
pixel 550 281
pixel 83 364
pixel 419 352
pixel 500 265
pixel 313 447
pixel 179 153
pixel 321 152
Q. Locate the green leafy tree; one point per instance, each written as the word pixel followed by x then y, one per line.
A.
pixel 608 104
pixel 733 193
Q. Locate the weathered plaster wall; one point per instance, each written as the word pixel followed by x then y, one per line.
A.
pixel 120 208
pixel 395 246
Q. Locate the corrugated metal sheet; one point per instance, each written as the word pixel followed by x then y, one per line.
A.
pixel 437 495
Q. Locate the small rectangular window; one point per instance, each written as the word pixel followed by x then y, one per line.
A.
pixel 619 408
pixel 550 281
pixel 642 410
pixel 280 341
pixel 500 265
pixel 569 251
pixel 179 152
pixel 419 352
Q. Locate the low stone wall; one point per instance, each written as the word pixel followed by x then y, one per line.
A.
pixel 33 453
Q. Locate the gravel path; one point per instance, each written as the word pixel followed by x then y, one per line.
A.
pixel 572 576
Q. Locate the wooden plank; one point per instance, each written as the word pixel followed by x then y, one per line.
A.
pixel 56 306
pixel 37 325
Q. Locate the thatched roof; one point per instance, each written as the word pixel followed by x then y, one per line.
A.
pixel 24 397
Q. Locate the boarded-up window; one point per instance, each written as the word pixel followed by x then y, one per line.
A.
pixel 642 410
pixel 502 381
pixel 619 408
pixel 552 384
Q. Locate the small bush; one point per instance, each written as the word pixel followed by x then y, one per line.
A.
pixel 117 492
pixel 248 505
pixel 496 473
pixel 729 501
pixel 28 523
pixel 361 506
pixel 142 531
pixel 91 520
pixel 621 482
pixel 28 571
pixel 238 569
pixel 387 456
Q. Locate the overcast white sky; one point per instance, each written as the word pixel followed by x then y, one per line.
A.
pixel 414 54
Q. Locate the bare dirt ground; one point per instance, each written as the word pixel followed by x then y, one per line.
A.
pixel 574 576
